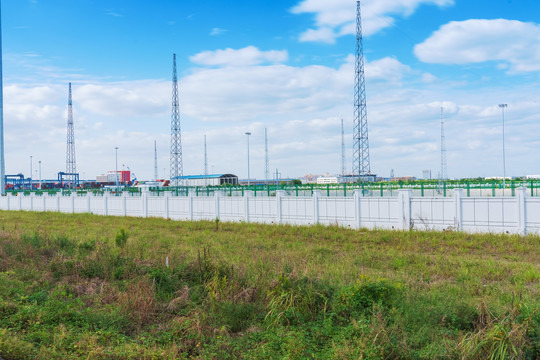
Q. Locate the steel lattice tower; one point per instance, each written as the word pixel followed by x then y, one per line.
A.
pixel 156 175
pixel 443 149
pixel 177 170
pixel 71 167
pixel 2 163
pixel 361 166
pixel 342 149
pixel 266 163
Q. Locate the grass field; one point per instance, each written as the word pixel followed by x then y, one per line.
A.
pixel 89 287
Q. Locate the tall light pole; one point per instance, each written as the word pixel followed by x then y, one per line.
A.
pixel 30 172
pixel 248 133
pixel 2 163
pixel 116 168
pixel 502 106
pixel 39 162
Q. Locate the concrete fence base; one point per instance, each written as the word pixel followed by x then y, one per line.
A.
pixel 516 215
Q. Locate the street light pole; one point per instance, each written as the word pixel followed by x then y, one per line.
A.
pixel 116 168
pixel 30 172
pixel 39 174
pixel 248 134
pixel 502 106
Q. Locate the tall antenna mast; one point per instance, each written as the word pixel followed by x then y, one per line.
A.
pixel 2 163
pixel 361 166
pixel 444 174
pixel 156 175
pixel 266 163
pixel 71 167
pixel 205 163
pixel 343 171
pixel 177 169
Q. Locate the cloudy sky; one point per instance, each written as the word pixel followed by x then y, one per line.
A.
pixel 285 65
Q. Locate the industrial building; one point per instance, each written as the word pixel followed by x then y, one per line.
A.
pixel 209 180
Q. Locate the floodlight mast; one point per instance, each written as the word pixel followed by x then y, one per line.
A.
pixel 502 106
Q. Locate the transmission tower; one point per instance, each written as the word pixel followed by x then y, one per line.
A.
pixel 361 166
pixel 177 170
pixel 266 163
pixel 343 171
pixel 2 164
pixel 71 167
pixel 444 173
pixel 205 163
pixel 156 175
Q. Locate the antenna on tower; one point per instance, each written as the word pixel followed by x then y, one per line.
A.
pixel 71 168
pixel 343 171
pixel 361 166
pixel 177 169
pixel 156 176
pixel 266 163
pixel 444 173
pixel 205 163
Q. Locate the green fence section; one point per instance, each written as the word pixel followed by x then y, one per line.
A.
pixel 379 189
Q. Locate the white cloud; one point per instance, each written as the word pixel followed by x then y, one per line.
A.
pixel 337 17
pixel 249 55
pixel 217 31
pixel 512 42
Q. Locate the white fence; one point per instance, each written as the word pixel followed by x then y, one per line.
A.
pixel 518 215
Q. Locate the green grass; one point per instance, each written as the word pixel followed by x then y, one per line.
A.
pixel 90 287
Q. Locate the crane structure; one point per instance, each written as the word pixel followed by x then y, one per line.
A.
pixel 361 165
pixel 71 166
pixel 177 168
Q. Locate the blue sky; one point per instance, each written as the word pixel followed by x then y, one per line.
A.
pixel 282 65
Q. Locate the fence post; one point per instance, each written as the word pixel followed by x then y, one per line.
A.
pixel 279 216
pixel 58 201
pixel 72 202
pixel 32 202
pixel 145 204
pixel 315 197
pixel 217 196
pixel 458 217
pixel 247 195
pixel 106 202
pixel 89 209
pixel 124 203
pixel 404 206
pixel 521 207
pixel 190 206
pixel 357 198
pixel 166 196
